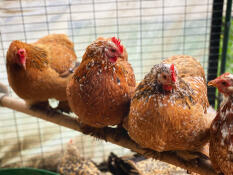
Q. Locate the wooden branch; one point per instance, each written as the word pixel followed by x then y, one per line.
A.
pixel 113 135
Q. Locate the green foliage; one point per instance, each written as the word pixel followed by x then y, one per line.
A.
pixel 229 58
pixel 229 61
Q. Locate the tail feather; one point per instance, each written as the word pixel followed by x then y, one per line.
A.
pixel 119 166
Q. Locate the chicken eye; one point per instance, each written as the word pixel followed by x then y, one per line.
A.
pixel 164 77
pixel 21 52
pixel 113 50
pixel 224 83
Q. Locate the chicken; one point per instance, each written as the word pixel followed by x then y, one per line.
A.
pixel 101 88
pixel 118 166
pixel 73 164
pixel 169 107
pixel 138 165
pixel 39 71
pixel 221 132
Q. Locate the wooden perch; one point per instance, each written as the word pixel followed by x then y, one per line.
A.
pixel 113 135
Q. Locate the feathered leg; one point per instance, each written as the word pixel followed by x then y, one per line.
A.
pixel 63 107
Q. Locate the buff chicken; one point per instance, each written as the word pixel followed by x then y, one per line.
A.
pixel 40 71
pixel 221 132
pixel 102 86
pixel 72 163
pixel 169 110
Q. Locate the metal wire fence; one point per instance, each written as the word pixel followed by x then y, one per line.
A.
pixel 150 31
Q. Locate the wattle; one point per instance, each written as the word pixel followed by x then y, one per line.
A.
pixel 113 59
pixel 167 87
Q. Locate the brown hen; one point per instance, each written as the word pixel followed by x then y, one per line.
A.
pixel 169 108
pixel 221 132
pixel 39 71
pixel 101 87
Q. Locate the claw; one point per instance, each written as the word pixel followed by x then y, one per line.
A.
pixel 63 106
pixel 44 107
pixel 98 133
pixel 151 153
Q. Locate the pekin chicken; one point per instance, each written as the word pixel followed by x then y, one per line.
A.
pixel 72 163
pixel 221 132
pixel 102 86
pixel 169 107
pixel 39 71
pixel 122 165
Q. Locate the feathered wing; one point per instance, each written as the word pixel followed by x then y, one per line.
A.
pixel 171 120
pixel 94 93
pixel 60 51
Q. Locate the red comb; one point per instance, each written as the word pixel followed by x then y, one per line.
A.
pixel 173 76
pixel 117 42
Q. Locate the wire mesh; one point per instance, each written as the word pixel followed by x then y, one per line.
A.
pixel 150 30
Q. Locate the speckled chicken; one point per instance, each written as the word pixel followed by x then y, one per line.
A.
pixel 118 166
pixel 169 108
pixel 102 86
pixel 40 70
pixel 73 164
pixel 221 132
pixel 138 165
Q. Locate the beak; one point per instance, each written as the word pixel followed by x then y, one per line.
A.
pixel 230 89
pixel 121 55
pixel 212 83
pixel 24 65
pixel 174 85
